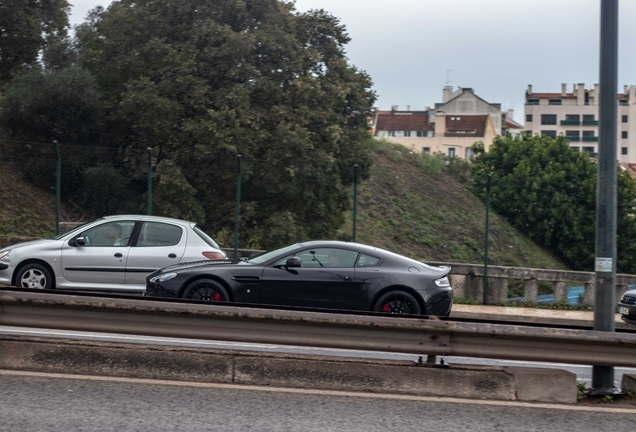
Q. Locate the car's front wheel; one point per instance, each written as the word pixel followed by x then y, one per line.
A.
pixel 397 302
pixel 206 290
pixel 34 276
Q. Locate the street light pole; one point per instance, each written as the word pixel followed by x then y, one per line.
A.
pixel 606 192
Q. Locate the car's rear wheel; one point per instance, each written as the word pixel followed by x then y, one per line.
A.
pixel 397 302
pixel 206 290
pixel 34 276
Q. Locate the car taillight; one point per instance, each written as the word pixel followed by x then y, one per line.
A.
pixel 213 255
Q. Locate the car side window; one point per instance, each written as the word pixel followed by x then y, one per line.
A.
pixel 108 234
pixel 323 258
pixel 367 261
pixel 159 234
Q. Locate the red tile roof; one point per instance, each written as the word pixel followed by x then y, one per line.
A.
pixel 465 126
pixel 403 122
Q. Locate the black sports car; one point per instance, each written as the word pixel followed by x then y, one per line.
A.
pixel 318 274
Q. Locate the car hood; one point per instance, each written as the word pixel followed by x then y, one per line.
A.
pixel 40 242
pixel 197 264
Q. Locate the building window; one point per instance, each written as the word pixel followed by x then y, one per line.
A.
pixel 548 119
pixel 624 134
pixel 588 149
pixel 419 134
pixel 407 133
pixel 551 134
pixel 624 118
pixel 588 133
pixel 469 153
pixel 573 135
pixel 624 150
pixel 554 101
pixel 533 101
pixel 622 102
pixel 573 117
pixel 451 152
pixel 391 133
pixel 588 117
pixel 426 150
pixel 528 117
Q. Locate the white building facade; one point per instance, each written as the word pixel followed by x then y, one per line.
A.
pixel 575 116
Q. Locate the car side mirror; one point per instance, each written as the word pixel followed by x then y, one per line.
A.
pixel 80 241
pixel 293 262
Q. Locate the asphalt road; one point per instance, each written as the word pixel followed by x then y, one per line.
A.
pixel 33 402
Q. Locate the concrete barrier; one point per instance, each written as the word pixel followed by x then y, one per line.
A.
pixel 285 370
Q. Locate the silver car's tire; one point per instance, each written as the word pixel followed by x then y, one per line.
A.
pixel 34 276
pixel 397 302
pixel 206 290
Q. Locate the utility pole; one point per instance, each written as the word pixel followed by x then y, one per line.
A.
pixel 606 192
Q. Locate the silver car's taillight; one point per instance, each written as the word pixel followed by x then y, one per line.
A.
pixel 214 255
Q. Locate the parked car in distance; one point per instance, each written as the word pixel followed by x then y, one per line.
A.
pixel 110 253
pixel 318 274
pixel 627 307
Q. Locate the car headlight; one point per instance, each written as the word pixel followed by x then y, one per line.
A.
pixel 442 282
pixel 5 253
pixel 163 277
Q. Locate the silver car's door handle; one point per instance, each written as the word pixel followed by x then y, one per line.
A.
pixel 118 255
pixel 172 255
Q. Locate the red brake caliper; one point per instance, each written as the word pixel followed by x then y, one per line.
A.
pixel 217 296
pixel 385 308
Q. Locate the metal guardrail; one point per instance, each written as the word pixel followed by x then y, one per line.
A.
pixel 315 329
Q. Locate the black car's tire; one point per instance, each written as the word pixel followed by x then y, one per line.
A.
pixel 206 290
pixel 397 302
pixel 34 276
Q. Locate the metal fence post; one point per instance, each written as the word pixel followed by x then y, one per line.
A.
pixel 149 189
pixel 58 185
pixel 238 205
pixel 355 199
pixel 485 301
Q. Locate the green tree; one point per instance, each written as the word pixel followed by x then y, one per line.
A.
pixel 201 81
pixel 26 27
pixel 548 191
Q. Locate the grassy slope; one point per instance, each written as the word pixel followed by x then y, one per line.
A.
pixel 433 217
pixel 24 209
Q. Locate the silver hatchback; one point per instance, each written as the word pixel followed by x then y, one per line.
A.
pixel 112 253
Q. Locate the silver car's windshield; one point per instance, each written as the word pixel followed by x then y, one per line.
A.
pixel 77 228
pixel 273 254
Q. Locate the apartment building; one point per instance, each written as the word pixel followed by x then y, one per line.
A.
pixel 575 115
pixel 450 128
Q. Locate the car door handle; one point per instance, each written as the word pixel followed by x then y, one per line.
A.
pixel 172 255
pixel 118 255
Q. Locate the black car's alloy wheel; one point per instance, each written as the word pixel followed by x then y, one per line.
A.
pixel 206 290
pixel 397 302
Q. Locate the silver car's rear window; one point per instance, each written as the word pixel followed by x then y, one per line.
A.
pixel 206 238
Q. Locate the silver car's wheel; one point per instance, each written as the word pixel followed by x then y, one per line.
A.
pixel 34 276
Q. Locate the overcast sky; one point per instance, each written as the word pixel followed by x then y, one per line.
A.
pixel 413 48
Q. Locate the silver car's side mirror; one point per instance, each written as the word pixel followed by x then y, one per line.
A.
pixel 80 241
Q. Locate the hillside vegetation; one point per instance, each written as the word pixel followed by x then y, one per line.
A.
pixel 411 204
pixel 415 205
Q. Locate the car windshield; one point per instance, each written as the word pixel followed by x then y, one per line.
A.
pixel 76 229
pixel 273 254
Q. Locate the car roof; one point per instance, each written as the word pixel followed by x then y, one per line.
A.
pixel 336 243
pixel 147 217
